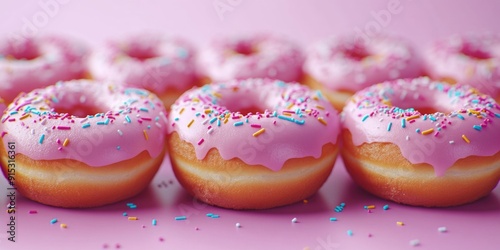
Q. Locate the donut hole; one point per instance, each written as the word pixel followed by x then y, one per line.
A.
pixel 26 50
pixel 245 49
pixel 141 54
pixel 78 110
pixel 356 53
pixel 475 53
pixel 244 103
pixel 77 105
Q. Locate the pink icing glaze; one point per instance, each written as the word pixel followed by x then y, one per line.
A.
pixel 136 122
pixel 151 62
pixel 468 60
pixel 297 121
pixel 347 63
pixel 436 138
pixel 37 62
pixel 259 56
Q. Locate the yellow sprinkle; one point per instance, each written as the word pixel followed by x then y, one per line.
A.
pixel 63 225
pixel 66 142
pixel 182 110
pixel 145 134
pixel 208 111
pixel 465 139
pixel 474 111
pixel 320 119
pixel 305 201
pixel 190 123
pixel 400 223
pixel 133 218
pixel 428 131
pixel 316 98
pixel 412 117
pixel 218 95
pixel 24 116
pixel 370 207
pixel 387 102
pixel 320 107
pixel 195 99
pixel 290 106
pixel 225 120
pixel 287 114
pixel 260 131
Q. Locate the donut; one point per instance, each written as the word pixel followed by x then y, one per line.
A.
pixel 341 66
pixel 422 142
pixel 162 65
pixel 37 62
pixel 82 143
pixel 471 60
pixel 252 144
pixel 257 56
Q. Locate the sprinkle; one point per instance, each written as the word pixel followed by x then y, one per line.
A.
pixel 214 216
pixel 333 219
pixel 259 132
pixel 24 116
pixel 118 147
pixel 285 118
pixel 403 123
pixel 389 126
pixel 153 222
pixel 349 232
pixel 86 125
pixel 451 142
pixel 63 127
pixel 236 124
pixel 53 221
pixel 400 223
pixel 180 218
pixel 190 123
pixel 465 139
pixel 125 214
pixel 442 229
pixel 63 225
pixel 370 207
pixel 294 220
pixel 407 137
pixel 497 115
pixel 414 243
pixel 128 119
pixel 385 207
pixel 145 134
pixel 364 118
pixel 119 132
pixel 238 225
pixel 66 142
pixel 201 141
pixel 210 131
pixel 133 218
pixel 42 137
pixel 32 212
pixel 320 119
pixel 182 110
pixel 105 122
pixel 460 116
pixel 477 127
pixel 255 125
pixel 428 131
pixel 412 117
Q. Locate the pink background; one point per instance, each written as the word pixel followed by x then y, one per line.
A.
pixel 471 226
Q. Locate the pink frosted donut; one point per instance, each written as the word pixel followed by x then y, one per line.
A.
pixel 421 142
pixel 252 144
pixel 342 66
pixel 467 60
pixel 159 64
pixel 259 56
pixel 82 143
pixel 37 62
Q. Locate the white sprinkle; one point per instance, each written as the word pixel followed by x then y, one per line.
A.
pixel 32 131
pixel 442 229
pixel 451 142
pixel 407 137
pixel 43 122
pixel 119 132
pixel 84 120
pixel 210 131
pixel 205 122
pixel 238 225
pixel 381 119
pixel 157 124
pixel 414 243
pixel 294 220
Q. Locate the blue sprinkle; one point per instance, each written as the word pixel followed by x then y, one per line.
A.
pixel 403 123
pixel 290 119
pixel 180 218
pixel 210 214
pixel 133 206
pixel 153 222
pixel 389 126
pixel 182 53
pixel 460 116
pixel 176 118
pixel 300 122
pixel 432 118
pixel 105 122
pixel 125 214
pixel 364 118
pixel 144 109
pixel 197 114
pixel 118 147
pixel 42 137
pixel 477 127
pixel 275 113
pixel 497 115
pixel 213 120
pixel 281 83
pixel 349 232
pixel 425 117
pixel 417 130
pixel 475 101
pixel 236 124
pixel 128 119
pixel 86 125
pixel 13 112
pixel 385 207
pixel 55 100
pixel 333 219
pixel 218 123
pixel 53 221
pixel 215 216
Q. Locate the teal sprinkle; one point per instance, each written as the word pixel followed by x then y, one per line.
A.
pixel 149 126
pixel 417 130
pixel 176 118
pixel 209 214
pixel 218 123
pixel 157 119
pixel 475 101
pixel 53 221
pixel 460 116
pixel 246 120
pixel 13 113
pixel 105 122
pixel 333 219
pixel 364 118
pixel 280 83
pixel 425 117
pixel 197 114
pixel 144 109
pixel 118 147
pixel 301 122
pixel 236 124
pixel 389 126
pixel 42 137
pixel 290 119
pixel 86 125
pixel 275 113
pixel 477 127
pixel 180 218
pixel 125 214
pixel 497 115
pixel 182 53
pixel 385 207
pixel 213 120
pixel 215 216
pixel 55 100
pixel 349 232
pixel 128 119
pixel 403 123
pixel 153 222
pixel 432 118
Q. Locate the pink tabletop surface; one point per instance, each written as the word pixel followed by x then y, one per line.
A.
pixel 472 226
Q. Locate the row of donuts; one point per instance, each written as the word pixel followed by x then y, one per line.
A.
pixel 339 66
pixel 253 143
